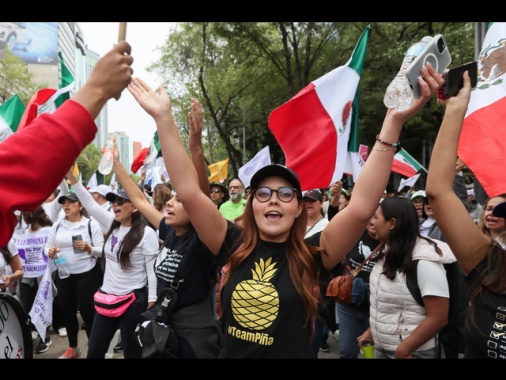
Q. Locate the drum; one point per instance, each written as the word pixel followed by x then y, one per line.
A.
pixel 15 332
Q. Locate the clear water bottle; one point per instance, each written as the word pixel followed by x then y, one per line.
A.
pixel 62 266
pixel 399 94
pixel 107 159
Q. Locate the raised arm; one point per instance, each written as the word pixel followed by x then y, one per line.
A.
pixel 59 138
pixel 195 121
pixel 205 217
pixel 135 194
pixel 346 227
pixel 467 242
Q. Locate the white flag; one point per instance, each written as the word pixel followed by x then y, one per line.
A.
pixel 92 183
pixel 261 159
pixel 42 308
pixel 408 182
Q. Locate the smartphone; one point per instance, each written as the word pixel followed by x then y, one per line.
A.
pixel 77 238
pixel 453 80
pixel 436 53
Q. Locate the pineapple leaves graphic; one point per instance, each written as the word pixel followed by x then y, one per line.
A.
pixel 255 302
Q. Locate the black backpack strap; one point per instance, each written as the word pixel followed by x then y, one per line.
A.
pixel 412 282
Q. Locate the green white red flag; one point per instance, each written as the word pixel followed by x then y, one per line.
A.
pixel 405 164
pixel 482 144
pixel 313 127
pixel 10 115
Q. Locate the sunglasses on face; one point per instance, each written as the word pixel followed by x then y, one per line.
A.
pixel 119 201
pixel 284 193
pixel 215 191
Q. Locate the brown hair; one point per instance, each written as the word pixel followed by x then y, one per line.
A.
pixel 161 195
pixel 301 259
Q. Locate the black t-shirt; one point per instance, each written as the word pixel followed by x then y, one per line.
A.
pixel 486 337
pixel 263 315
pixel 196 272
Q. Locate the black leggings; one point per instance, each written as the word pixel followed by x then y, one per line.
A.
pixel 76 293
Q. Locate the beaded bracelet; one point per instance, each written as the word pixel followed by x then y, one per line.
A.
pixel 386 150
pixel 395 145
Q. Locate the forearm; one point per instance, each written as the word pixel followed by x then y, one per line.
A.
pixel 182 172
pixel 201 168
pixel 373 179
pixel 444 155
pixel 425 331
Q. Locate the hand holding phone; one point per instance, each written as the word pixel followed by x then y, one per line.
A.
pixel 436 53
pixel 77 238
pixel 453 80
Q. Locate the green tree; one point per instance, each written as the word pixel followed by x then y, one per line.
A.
pixel 16 79
pixel 243 71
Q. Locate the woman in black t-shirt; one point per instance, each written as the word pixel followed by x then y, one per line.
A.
pixel 271 290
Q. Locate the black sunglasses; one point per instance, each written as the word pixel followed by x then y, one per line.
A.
pixel 285 193
pixel 119 201
pixel 216 191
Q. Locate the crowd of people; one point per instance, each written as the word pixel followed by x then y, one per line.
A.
pixel 252 263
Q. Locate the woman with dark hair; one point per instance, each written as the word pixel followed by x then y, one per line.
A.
pixel 74 238
pixel 399 326
pixel 271 292
pixel 193 321
pixel 481 256
pixel 128 252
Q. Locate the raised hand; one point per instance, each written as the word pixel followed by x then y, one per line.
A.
pixel 155 103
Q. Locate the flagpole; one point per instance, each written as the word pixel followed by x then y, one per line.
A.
pixel 122 31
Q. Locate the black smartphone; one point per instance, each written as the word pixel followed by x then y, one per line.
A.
pixel 453 80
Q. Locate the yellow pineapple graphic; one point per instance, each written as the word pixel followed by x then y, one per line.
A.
pixel 255 302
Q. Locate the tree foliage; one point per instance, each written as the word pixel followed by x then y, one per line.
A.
pixel 243 71
pixel 16 79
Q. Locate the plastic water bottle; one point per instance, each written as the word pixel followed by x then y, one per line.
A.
pixel 62 266
pixel 107 159
pixel 399 94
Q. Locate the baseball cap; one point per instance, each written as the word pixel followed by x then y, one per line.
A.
pixel 101 189
pixel 500 210
pixel 111 196
pixel 275 171
pixel 70 196
pixel 417 194
pixel 313 194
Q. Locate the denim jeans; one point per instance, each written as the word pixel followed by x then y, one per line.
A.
pixel 352 323
pixel 320 334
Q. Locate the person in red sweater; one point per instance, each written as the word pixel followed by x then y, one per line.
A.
pixel 41 153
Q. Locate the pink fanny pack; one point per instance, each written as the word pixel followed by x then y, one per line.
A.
pixel 112 305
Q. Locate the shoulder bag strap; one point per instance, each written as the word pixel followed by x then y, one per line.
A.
pixel 359 268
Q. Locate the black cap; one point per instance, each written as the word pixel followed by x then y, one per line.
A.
pixel 313 194
pixel 222 188
pixel 112 195
pixel 500 210
pixel 275 171
pixel 70 196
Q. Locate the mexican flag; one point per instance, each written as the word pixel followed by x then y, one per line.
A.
pixel 482 144
pixel 405 164
pixel 10 115
pixel 313 127
pixel 48 99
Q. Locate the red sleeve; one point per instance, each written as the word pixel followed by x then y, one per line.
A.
pixel 35 159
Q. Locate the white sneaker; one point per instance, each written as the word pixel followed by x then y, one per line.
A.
pixel 62 331
pixel 35 335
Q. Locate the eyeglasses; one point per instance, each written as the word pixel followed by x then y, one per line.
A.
pixel 235 187
pixel 216 191
pixel 119 201
pixel 284 193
